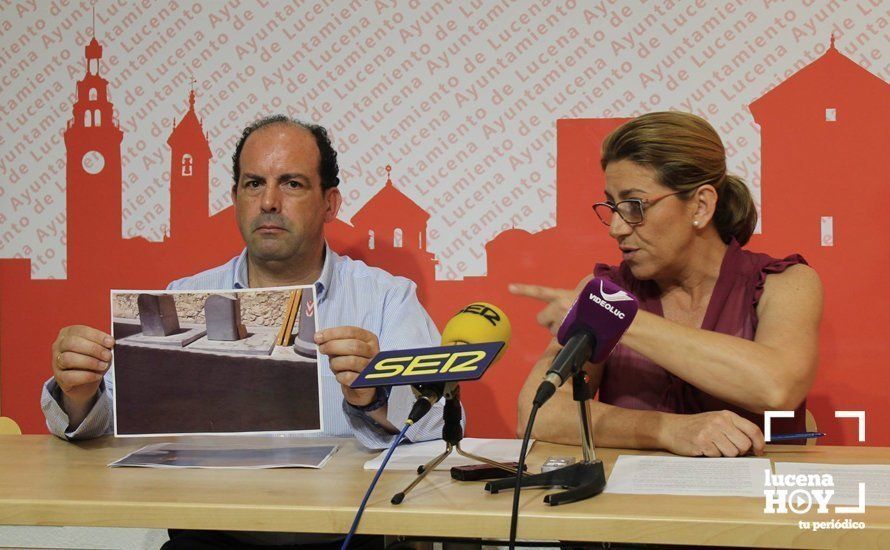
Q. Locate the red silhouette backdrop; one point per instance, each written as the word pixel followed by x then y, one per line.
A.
pixel 811 168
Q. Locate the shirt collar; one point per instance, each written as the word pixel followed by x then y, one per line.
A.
pixel 241 280
pixel 331 258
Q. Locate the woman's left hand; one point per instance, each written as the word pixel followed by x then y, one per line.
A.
pixel 558 301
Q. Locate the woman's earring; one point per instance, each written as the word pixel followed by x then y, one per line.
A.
pixel 695 223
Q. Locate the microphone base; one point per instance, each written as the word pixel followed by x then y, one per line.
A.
pixel 583 480
pixel 424 470
pixel 452 434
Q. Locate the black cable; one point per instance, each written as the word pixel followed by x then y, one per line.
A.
pixel 514 515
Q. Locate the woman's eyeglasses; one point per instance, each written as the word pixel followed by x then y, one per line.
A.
pixel 630 210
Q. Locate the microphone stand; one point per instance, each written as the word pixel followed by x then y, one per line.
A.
pixel 583 479
pixel 452 433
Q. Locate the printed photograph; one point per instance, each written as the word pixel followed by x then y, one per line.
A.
pixel 215 362
pixel 259 454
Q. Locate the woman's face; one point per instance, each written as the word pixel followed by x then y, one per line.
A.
pixel 654 247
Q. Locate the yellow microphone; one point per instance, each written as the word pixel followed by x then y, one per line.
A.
pixel 477 323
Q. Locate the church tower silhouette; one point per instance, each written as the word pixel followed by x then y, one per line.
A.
pixel 189 172
pixel 93 145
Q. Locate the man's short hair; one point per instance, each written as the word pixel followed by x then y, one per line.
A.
pixel 327 168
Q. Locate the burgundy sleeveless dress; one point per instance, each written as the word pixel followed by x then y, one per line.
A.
pixel 632 381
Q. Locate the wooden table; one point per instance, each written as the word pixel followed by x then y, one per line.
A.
pixel 46 481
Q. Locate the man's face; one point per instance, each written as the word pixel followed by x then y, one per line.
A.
pixel 280 206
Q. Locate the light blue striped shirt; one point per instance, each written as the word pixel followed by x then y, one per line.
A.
pixel 350 293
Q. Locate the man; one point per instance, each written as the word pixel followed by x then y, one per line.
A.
pixel 285 190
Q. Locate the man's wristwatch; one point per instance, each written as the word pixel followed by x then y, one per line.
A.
pixel 381 398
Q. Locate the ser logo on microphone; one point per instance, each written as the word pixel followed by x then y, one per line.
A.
pixel 486 312
pixel 436 364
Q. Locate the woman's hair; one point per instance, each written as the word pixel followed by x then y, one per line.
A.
pixel 686 152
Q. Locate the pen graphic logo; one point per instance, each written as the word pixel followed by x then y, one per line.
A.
pixel 799 493
pixel 620 296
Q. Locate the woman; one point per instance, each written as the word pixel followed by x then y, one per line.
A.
pixel 722 335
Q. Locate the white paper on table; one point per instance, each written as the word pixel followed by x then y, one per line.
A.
pixel 409 457
pixel 675 475
pixel 846 479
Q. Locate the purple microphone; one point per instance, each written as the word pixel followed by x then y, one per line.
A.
pixel 590 331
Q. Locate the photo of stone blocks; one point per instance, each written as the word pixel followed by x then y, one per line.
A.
pixel 215 362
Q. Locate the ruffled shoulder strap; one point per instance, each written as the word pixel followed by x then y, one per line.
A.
pixel 769 265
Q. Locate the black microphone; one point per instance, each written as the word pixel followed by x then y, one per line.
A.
pixel 590 331
pixel 427 396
